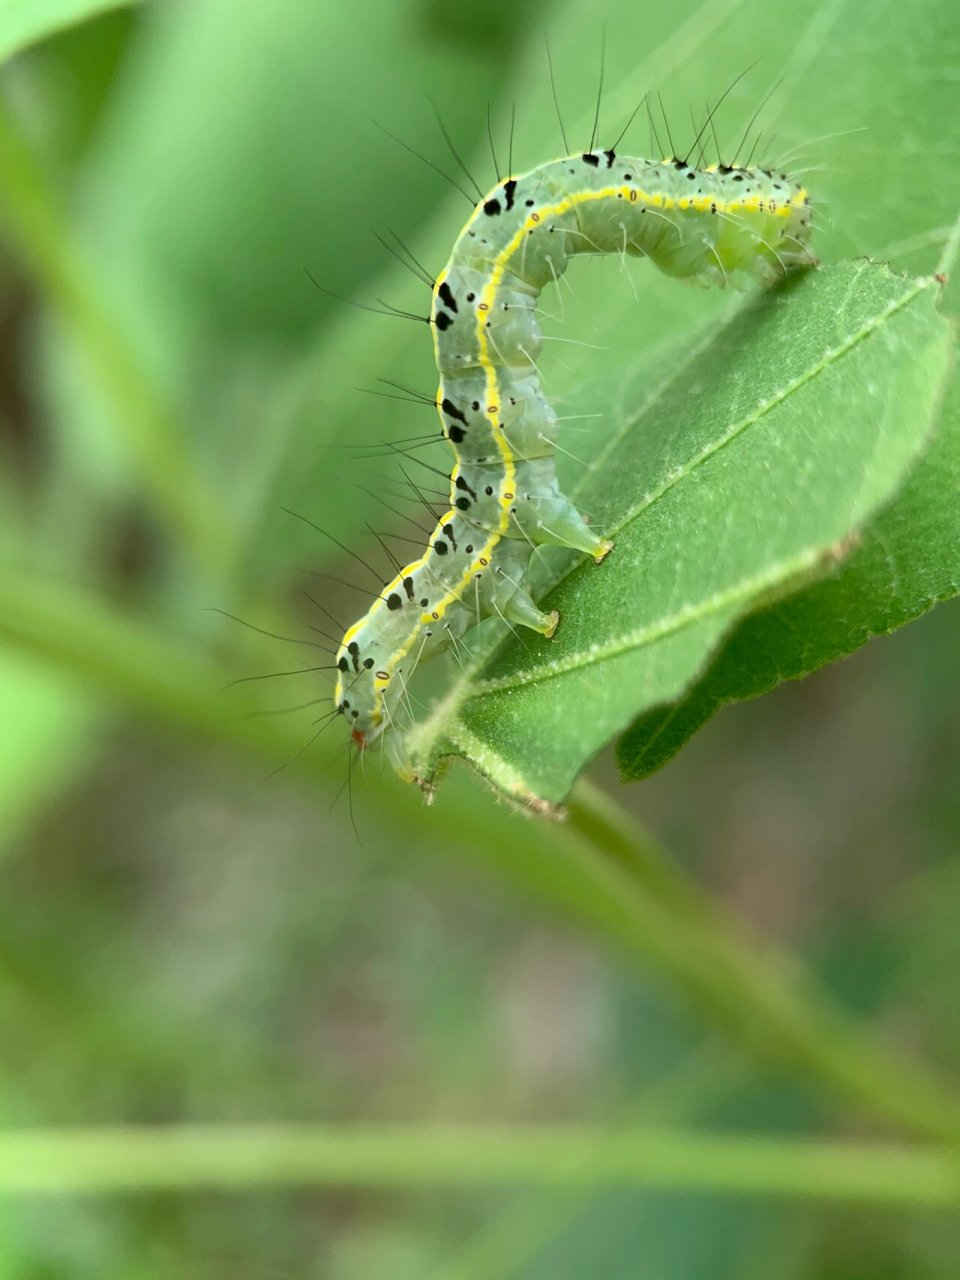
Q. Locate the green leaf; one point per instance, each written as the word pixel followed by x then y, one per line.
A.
pixel 744 474
pixel 26 22
pixel 908 559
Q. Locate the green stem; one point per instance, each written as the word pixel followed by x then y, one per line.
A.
pixel 193 1157
pixel 758 991
pixel 152 436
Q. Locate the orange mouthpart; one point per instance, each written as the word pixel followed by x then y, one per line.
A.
pixel 358 738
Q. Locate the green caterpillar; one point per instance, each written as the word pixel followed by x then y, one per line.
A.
pixel 719 225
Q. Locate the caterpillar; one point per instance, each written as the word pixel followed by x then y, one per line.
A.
pixel 718 225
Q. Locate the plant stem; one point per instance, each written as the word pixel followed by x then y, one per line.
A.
pixel 754 988
pixel 192 1157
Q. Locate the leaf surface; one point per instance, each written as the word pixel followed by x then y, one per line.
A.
pixel 908 559
pixel 27 22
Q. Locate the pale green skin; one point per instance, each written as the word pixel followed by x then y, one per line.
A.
pixel 748 225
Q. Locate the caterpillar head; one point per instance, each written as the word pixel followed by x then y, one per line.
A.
pixel 369 722
pixel 357 699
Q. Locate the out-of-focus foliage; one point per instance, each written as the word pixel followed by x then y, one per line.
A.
pixel 185 938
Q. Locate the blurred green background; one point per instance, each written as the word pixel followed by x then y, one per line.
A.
pixel 186 935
